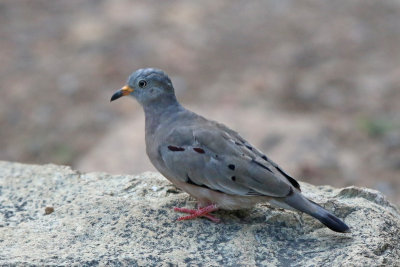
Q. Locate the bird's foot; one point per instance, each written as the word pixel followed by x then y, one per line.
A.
pixel 200 212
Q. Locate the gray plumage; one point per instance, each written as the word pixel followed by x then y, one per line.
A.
pixel 208 160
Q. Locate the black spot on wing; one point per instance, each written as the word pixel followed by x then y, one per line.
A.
pixel 261 165
pixel 231 166
pixel 199 150
pixel 264 158
pixel 290 179
pixel 175 148
pixel 290 192
pixel 249 147
pixel 238 144
pixel 233 178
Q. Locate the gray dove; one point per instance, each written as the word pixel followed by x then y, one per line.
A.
pixel 211 162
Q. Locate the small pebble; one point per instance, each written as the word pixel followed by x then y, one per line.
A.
pixel 48 210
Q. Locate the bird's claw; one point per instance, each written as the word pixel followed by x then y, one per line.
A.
pixel 200 212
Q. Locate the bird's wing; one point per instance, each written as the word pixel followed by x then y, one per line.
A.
pixel 213 156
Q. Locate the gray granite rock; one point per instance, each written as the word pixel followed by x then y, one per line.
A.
pixel 52 215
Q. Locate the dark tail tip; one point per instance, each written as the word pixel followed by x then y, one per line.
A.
pixel 334 223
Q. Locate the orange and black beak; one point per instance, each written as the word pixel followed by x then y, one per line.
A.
pixel 126 90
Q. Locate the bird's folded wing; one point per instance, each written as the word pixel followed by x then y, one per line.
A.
pixel 218 158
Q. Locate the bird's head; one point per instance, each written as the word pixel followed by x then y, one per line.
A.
pixel 146 85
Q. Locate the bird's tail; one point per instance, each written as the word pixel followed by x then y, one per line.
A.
pixel 301 203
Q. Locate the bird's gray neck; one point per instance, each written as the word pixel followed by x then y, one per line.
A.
pixel 160 110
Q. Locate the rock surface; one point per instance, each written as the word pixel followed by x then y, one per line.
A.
pixel 54 215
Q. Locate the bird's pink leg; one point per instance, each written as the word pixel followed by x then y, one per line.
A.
pixel 200 212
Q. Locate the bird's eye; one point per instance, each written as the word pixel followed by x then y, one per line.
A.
pixel 142 83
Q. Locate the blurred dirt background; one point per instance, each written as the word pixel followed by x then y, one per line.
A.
pixel 314 84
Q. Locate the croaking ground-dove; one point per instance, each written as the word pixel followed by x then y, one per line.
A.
pixel 208 160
